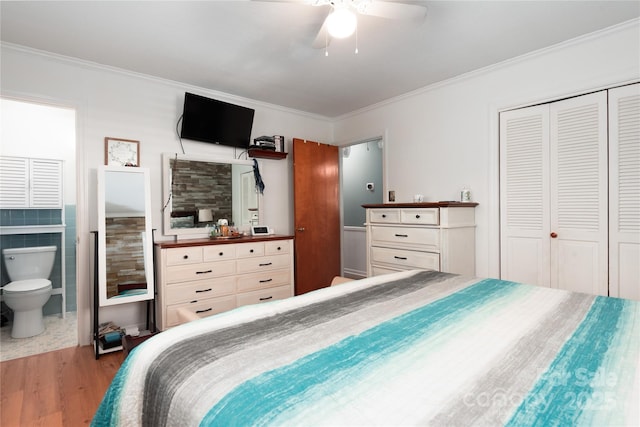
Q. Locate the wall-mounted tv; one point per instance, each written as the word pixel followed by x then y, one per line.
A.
pixel 216 122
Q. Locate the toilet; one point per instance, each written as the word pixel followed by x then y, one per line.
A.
pixel 30 288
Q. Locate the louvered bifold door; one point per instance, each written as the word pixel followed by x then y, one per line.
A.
pixel 624 192
pixel 579 194
pixel 524 195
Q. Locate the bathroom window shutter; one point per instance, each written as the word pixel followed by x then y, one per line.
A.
pixel 30 183
pixel 14 183
pixel 46 184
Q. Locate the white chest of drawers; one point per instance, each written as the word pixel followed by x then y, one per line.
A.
pixel 434 236
pixel 208 276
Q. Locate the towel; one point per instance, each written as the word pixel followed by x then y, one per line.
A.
pixel 258 178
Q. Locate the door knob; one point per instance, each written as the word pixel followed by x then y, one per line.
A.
pixel 553 234
pixel 300 229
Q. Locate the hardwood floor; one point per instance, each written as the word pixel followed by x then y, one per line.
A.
pixel 59 388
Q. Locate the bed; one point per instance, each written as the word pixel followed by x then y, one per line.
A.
pixel 408 348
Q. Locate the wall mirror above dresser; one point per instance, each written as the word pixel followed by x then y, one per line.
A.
pixel 198 191
pixel 125 241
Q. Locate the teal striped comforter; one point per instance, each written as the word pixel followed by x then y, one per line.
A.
pixel 411 348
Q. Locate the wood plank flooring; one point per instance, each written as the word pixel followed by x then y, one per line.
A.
pixel 59 388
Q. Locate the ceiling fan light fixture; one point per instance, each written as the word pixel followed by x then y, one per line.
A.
pixel 341 23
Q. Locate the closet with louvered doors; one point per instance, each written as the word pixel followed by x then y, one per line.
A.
pixel 570 193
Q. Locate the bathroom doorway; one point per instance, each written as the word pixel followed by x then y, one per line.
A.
pixel 362 183
pixel 37 131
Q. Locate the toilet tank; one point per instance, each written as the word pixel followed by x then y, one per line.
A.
pixel 29 263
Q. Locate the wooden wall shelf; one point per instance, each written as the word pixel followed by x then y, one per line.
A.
pixel 266 154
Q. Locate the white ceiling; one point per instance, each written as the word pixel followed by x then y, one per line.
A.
pixel 262 49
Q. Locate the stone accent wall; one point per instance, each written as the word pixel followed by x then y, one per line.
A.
pixel 201 185
pixel 125 260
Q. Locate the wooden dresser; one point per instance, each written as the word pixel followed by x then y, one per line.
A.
pixel 436 236
pixel 208 276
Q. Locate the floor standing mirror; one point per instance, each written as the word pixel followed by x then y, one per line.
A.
pixel 124 249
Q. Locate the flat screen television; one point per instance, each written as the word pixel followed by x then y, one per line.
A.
pixel 216 122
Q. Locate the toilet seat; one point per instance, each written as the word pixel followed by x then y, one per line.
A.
pixel 29 285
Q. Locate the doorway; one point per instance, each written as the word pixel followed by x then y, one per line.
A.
pixel 31 130
pixel 361 183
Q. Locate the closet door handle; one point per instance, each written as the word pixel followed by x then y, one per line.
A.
pixel 553 234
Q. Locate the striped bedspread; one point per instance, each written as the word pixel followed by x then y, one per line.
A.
pixel 410 348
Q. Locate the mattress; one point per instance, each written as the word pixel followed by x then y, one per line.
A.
pixel 409 348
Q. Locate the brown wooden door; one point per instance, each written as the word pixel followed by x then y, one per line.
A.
pixel 316 185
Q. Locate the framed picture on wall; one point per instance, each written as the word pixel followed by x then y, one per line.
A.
pixel 121 152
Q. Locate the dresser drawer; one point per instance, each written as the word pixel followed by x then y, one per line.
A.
pixel 183 256
pixel 263 263
pixel 264 295
pixel 245 250
pixel 202 308
pixel 267 279
pixel 277 247
pixel 427 216
pixel 379 271
pixel 425 238
pixel 203 271
pixel 218 252
pixel 405 258
pixel 185 292
pixel 391 216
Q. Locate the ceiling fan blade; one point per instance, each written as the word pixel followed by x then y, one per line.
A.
pixel 323 39
pixel 389 10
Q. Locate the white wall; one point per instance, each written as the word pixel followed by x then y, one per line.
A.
pixel 114 103
pixel 443 137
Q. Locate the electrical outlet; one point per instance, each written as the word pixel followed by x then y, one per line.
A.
pixel 392 196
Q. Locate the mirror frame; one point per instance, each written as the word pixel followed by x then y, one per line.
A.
pixel 166 192
pixel 147 244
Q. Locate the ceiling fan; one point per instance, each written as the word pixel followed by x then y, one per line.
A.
pixel 341 18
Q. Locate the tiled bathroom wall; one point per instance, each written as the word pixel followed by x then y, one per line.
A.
pixel 26 217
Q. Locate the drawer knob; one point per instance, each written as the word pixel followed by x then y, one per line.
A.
pixel 265 298
pixel 417 216
pixel 221 253
pixel 185 257
pixel 384 216
pixel 251 251
pixel 279 248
